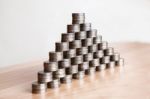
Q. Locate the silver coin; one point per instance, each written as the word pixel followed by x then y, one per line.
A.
pixel 120 62
pixel 67 37
pixel 73 28
pixel 115 57
pixel 61 46
pixel 92 48
pixel 109 51
pixel 79 75
pixel 85 27
pixel 69 54
pixel 80 35
pixel 110 65
pixel 105 60
pixel 44 77
pixel 81 51
pixel 74 69
pixel 91 33
pixel 83 66
pixel 66 79
pixel 101 67
pixel 88 57
pixel 94 62
pixel 87 42
pixel 78 16
pixel 77 60
pixel 98 54
pixel 55 56
pixel 78 21
pixel 54 84
pixel 61 72
pixel 64 63
pixel 103 45
pixel 50 66
pixel 97 39
pixel 38 87
pixel 90 71
pixel 75 44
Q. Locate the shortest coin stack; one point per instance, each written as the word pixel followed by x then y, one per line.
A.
pixel 39 87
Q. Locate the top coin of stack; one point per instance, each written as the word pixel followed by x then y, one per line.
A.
pixel 78 18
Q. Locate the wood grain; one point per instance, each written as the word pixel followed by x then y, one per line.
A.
pixel 128 82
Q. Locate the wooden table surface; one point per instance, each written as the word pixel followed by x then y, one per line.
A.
pixel 129 82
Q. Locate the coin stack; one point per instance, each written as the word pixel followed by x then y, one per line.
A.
pixel 80 52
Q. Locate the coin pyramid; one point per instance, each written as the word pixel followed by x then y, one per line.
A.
pixel 81 52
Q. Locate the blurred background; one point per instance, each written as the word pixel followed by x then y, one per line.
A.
pixel 30 28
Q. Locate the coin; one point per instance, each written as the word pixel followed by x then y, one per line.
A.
pixel 120 62
pixel 74 69
pixel 105 60
pixel 77 60
pixel 92 48
pixel 69 54
pixel 103 45
pixel 38 87
pixel 110 65
pixel 44 77
pixel 109 51
pixel 55 56
pixel 50 66
pixel 87 42
pixel 54 84
pixel 73 28
pixel 67 37
pixel 88 57
pixel 115 57
pixel 66 79
pixel 83 66
pixel 94 62
pixel 81 51
pixel 80 35
pixel 61 46
pixel 90 71
pixel 64 63
pixel 98 54
pixel 75 44
pixel 78 16
pixel 101 67
pixel 85 26
pixel 91 33
pixel 97 39
pixel 79 75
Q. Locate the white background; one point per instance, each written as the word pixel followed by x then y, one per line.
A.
pixel 29 28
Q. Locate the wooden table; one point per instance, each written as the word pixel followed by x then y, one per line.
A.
pixel 129 82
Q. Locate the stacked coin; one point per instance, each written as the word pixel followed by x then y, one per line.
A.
pixel 109 51
pixel 85 27
pixel 90 71
pixel 66 79
pixel 101 67
pixel 83 66
pixel 64 63
pixel 74 69
pixel 73 28
pixel 67 37
pixel 50 66
pixel 88 57
pixel 80 35
pixel 105 60
pixel 69 54
pixel 38 87
pixel 77 60
pixel 98 54
pixel 82 51
pixel 44 77
pixel 91 33
pixel 64 46
pixel 75 44
pixel 87 42
pixel 94 62
pixel 97 39
pixel 78 18
pixel 92 48
pixel 55 56
pixel 120 62
pixel 79 75
pixel 102 46
pixel 54 84
pixel 110 64
pixel 115 57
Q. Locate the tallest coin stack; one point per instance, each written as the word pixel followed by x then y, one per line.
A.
pixel 81 52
